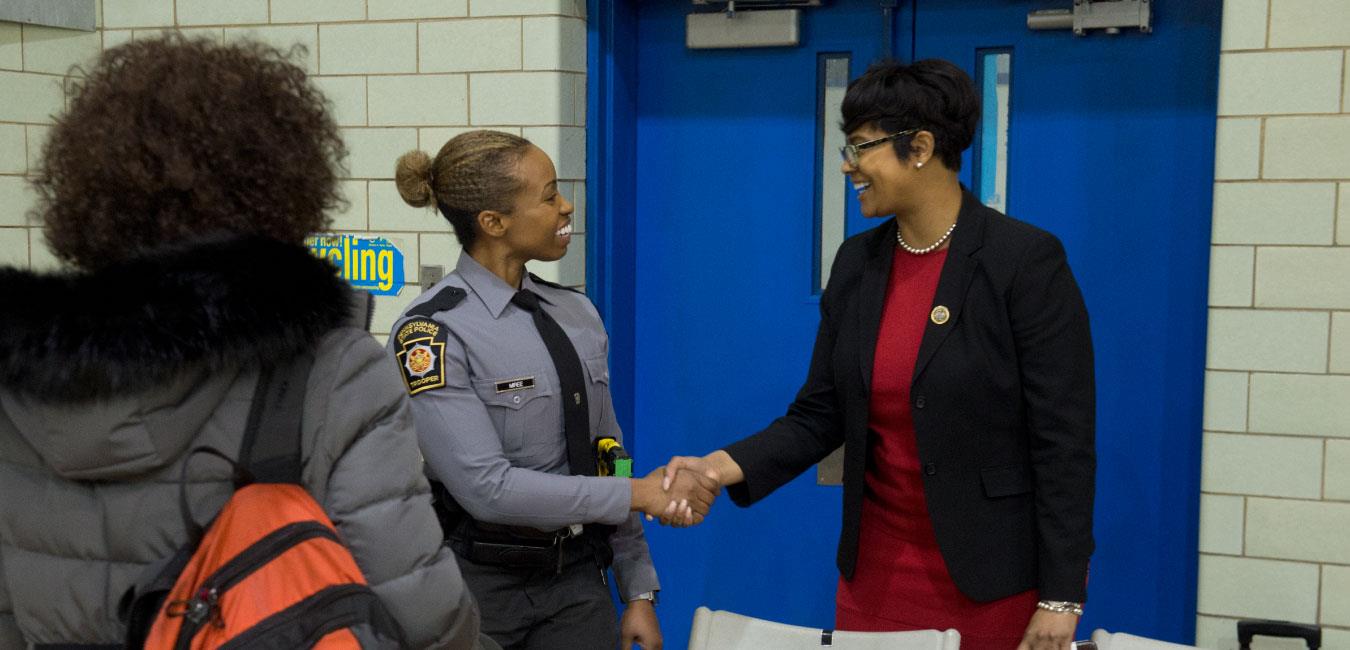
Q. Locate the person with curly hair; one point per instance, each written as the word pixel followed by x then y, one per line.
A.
pixel 177 189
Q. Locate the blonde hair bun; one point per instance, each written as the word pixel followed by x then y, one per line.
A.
pixel 412 176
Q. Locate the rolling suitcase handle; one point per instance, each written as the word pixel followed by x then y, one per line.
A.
pixel 1311 634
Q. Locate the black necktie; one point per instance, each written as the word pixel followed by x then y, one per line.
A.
pixel 576 413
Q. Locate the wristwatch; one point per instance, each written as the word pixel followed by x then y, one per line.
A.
pixel 649 596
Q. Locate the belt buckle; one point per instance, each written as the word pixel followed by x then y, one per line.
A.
pixel 564 534
pixel 575 530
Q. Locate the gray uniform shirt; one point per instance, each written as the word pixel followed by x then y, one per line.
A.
pixel 489 416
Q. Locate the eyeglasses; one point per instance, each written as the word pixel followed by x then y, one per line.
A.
pixel 851 152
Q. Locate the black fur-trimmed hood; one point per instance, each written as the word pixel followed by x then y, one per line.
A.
pixel 140 323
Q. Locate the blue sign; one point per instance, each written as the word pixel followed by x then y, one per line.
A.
pixel 369 263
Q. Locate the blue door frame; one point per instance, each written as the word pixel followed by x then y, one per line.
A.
pixel 611 146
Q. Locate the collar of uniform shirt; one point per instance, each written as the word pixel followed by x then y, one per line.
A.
pixel 491 289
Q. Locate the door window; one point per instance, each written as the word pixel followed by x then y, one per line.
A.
pixel 831 185
pixel 994 70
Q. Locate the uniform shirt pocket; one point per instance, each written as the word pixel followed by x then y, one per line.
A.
pixel 522 408
pixel 598 369
pixel 1006 480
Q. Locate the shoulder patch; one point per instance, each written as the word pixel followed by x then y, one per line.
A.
pixel 421 354
pixel 444 300
pixel 555 285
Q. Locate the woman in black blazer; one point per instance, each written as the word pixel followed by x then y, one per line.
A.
pixel 961 390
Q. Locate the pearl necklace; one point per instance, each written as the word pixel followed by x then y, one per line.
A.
pixel 922 251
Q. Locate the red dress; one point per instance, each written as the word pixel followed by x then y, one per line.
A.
pixel 901 581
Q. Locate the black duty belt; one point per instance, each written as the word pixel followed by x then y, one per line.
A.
pixel 527 548
pixel 519 547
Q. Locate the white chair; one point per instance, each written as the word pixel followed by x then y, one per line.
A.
pixel 1121 641
pixel 721 630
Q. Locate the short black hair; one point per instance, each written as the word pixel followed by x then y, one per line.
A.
pixel 931 95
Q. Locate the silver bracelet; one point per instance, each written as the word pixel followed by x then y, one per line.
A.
pixel 1061 607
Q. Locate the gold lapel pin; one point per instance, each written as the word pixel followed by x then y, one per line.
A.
pixel 940 315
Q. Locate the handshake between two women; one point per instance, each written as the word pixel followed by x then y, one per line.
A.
pixel 681 493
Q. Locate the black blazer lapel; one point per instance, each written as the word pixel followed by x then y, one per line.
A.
pixel 957 273
pixel 872 298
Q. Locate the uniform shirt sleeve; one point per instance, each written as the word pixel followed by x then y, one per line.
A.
pixel 633 568
pixel 463 450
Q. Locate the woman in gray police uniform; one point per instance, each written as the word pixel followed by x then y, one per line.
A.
pixel 509 382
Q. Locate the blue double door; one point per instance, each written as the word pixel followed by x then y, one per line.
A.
pixel 1109 145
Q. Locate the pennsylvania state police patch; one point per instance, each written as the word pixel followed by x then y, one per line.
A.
pixel 421 354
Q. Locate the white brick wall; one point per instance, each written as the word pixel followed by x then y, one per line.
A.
pixel 418 99
pixel 1282 341
pixel 1307 147
pixel 1230 270
pixel 1275 503
pixel 368 48
pixel 13 147
pixel 497 98
pixel 1239 149
pixel 1274 213
pixel 470 45
pixel 1222 531
pixel 1254 588
pixel 404 9
pixel 215 12
pixel 399 75
pixel 1309 23
pixel 1300 404
pixel 1265 83
pixel 316 11
pixel 137 13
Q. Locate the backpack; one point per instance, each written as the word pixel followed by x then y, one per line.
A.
pixel 270 571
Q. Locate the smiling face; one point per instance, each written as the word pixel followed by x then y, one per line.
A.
pixel 540 223
pixel 882 180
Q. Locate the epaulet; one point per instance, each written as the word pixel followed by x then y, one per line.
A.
pixel 555 285
pixel 444 300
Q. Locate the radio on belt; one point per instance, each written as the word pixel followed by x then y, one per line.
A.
pixel 612 459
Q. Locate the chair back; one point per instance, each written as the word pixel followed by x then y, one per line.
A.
pixel 1121 641
pixel 722 630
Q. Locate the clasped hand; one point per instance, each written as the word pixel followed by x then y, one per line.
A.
pixel 678 497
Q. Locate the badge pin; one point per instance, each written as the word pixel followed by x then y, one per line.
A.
pixel 940 315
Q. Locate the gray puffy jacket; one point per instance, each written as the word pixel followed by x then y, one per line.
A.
pixel 108 379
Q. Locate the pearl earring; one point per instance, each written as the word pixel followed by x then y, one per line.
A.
pixel 920 165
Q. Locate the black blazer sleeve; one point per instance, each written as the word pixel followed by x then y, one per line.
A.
pixel 1054 349
pixel 813 425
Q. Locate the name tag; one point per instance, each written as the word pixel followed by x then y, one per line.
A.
pixel 515 384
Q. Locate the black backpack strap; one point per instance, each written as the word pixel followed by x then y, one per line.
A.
pixel 271 448
pixel 270 453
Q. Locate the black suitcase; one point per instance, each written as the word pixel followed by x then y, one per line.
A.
pixel 1311 634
